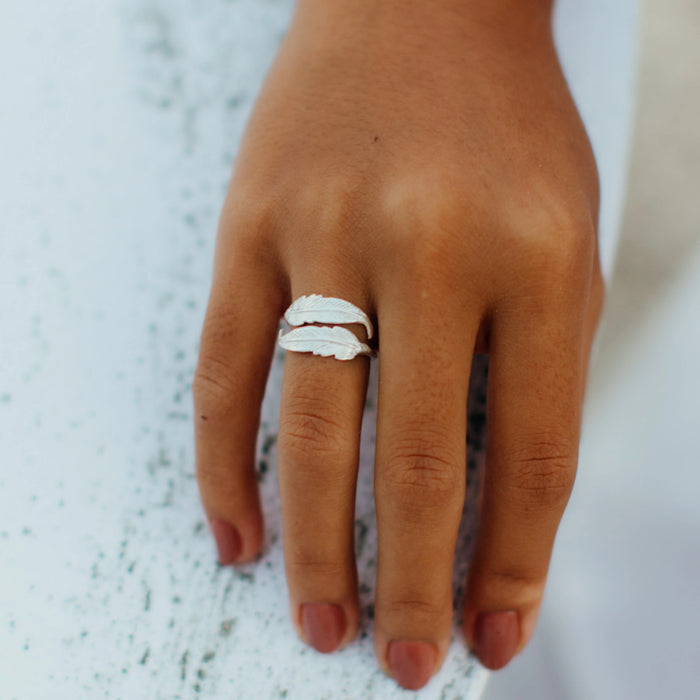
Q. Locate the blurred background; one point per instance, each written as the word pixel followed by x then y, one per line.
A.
pixel 118 124
pixel 622 610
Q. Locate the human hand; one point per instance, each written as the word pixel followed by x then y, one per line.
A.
pixel 426 162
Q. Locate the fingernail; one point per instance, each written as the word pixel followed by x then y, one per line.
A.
pixel 228 541
pixel 496 636
pixel 324 625
pixel 412 663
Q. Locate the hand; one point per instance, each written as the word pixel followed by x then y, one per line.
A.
pixel 426 162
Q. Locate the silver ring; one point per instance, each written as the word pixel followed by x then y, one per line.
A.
pixel 327 341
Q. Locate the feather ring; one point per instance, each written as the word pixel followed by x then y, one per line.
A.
pixel 315 308
pixel 327 341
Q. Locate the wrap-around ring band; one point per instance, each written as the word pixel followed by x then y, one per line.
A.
pixel 328 341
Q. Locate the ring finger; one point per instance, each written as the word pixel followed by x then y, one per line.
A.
pixel 318 450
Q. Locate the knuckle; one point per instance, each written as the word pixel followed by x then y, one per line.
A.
pixel 421 470
pixel 426 219
pixel 427 195
pixel 216 376
pixel 542 474
pixel 213 385
pixel 555 213
pixel 558 241
pixel 310 425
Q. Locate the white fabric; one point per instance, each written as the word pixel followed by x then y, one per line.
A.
pixel 597 45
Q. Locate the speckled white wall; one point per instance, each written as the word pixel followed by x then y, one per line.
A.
pixel 118 128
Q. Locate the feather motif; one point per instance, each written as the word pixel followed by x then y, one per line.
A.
pixel 327 341
pixel 315 308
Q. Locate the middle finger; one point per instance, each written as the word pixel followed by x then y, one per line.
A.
pixel 420 476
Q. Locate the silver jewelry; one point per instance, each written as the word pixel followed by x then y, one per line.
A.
pixel 317 308
pixel 328 341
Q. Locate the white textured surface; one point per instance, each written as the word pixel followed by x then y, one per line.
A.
pixel 117 136
pixel 118 123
